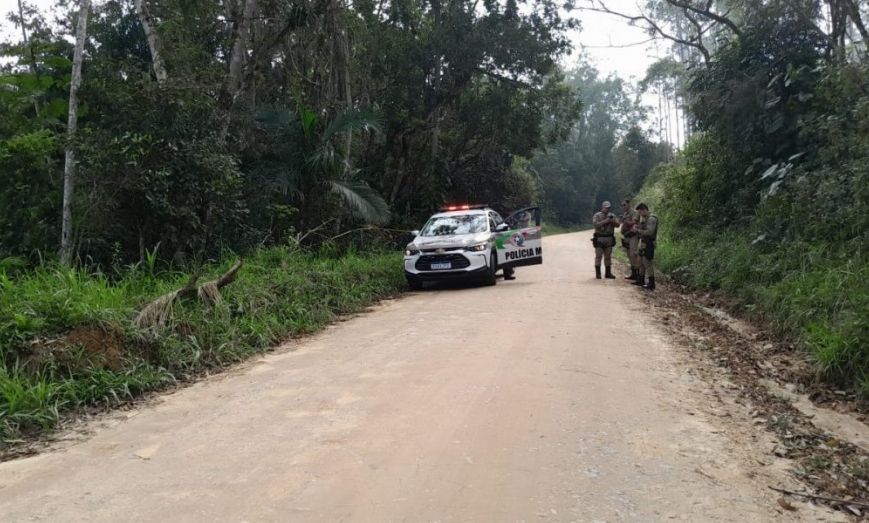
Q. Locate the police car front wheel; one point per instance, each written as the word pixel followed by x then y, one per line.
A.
pixel 491 278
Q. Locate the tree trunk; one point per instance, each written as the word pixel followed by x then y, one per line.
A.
pixel 348 95
pixel 153 40
pixel 660 113
pixel 669 121
pixel 239 48
pixel 72 124
pixel 853 9
pixel 237 56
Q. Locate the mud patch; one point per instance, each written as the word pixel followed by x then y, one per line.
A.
pixel 100 346
pixel 82 347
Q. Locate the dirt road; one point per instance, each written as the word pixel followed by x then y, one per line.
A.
pixel 528 401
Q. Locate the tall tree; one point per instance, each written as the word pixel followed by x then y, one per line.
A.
pixel 66 242
pixel 154 43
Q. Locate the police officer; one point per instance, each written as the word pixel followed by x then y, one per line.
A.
pixel 648 232
pixel 630 238
pixel 604 239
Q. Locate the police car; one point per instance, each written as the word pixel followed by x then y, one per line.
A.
pixel 472 242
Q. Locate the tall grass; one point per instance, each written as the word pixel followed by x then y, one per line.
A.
pixel 279 293
pixel 815 292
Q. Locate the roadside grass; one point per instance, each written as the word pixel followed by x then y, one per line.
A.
pixel 816 293
pixel 67 340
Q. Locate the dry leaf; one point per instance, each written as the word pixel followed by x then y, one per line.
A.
pixel 785 504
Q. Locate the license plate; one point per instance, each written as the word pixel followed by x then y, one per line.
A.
pixel 441 266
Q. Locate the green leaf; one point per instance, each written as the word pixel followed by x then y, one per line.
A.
pixel 354 120
pixel 57 108
pixel 776 125
pixel 58 62
pixel 769 172
pixel 309 121
pixel 363 201
pixel 26 81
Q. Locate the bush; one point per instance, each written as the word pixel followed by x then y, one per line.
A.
pixel 770 203
pixel 800 283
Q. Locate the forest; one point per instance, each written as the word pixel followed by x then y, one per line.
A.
pixel 768 200
pixel 148 144
pixel 205 126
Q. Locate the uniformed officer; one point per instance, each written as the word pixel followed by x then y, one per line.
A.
pixel 648 232
pixel 604 239
pixel 631 240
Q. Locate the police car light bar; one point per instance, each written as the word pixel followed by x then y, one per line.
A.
pixel 464 207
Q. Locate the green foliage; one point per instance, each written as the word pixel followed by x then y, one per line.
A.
pixel 279 293
pixel 401 106
pixel 27 403
pixel 753 101
pixel 811 286
pixel 307 172
pixel 769 202
pixel 29 199
pixel 465 89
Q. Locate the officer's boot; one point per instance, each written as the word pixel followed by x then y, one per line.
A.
pixel 597 271
pixel 651 285
pixel 641 280
pixel 609 273
pixel 633 275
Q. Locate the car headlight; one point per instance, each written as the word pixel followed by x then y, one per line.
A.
pixel 477 248
pixel 411 251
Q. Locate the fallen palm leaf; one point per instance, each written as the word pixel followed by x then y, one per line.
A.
pixel 158 312
pixel 209 292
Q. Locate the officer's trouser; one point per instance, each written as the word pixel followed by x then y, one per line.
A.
pixel 605 253
pixel 634 252
pixel 648 267
pixel 647 258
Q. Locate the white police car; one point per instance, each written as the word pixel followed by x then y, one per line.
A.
pixel 472 242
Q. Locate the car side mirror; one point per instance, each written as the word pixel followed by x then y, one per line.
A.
pixel 501 227
pixel 415 233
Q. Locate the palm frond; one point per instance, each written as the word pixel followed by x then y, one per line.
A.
pixel 278 176
pixel 363 201
pixel 325 160
pixel 309 121
pixel 289 182
pixel 353 120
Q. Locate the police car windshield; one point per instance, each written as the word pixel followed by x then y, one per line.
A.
pixel 457 224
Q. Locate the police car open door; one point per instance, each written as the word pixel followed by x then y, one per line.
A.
pixel 522 243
